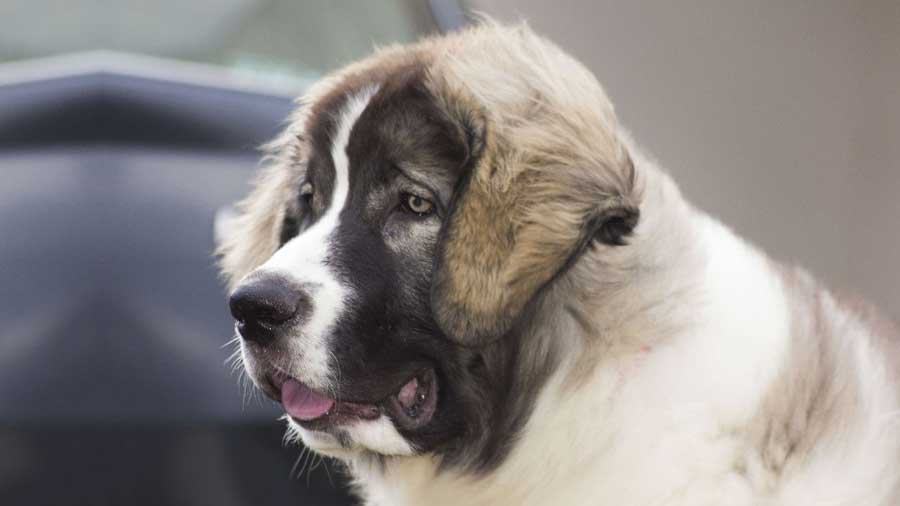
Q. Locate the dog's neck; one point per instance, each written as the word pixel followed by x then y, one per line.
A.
pixel 637 294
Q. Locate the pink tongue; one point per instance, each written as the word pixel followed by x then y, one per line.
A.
pixel 302 403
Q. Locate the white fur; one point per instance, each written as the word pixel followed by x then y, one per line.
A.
pixel 664 427
pixel 860 464
pixel 379 435
pixel 304 260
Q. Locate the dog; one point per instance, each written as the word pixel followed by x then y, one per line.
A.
pixel 462 279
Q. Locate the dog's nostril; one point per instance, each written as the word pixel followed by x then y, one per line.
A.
pixel 263 304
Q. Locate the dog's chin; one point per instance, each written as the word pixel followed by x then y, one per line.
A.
pixel 351 442
pixel 322 443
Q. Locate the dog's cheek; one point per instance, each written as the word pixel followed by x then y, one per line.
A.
pixel 412 245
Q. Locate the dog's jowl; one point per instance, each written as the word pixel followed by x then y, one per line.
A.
pixel 462 279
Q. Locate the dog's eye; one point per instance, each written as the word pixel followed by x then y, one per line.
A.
pixel 306 191
pixel 417 205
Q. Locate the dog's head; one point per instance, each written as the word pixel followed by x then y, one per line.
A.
pixel 391 266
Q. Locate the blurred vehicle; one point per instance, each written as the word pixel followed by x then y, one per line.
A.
pixel 114 387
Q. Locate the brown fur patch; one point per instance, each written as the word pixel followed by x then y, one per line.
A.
pixel 549 167
pixel 817 392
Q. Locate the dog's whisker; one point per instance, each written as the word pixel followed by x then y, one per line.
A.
pixel 235 360
pixel 236 340
pixel 293 474
pixel 316 462
pixel 307 456
pixel 325 465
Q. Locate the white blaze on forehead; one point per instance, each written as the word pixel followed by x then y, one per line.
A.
pixel 304 259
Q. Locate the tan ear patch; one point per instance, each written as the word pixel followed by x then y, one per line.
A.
pixel 470 294
pixel 508 237
pixel 518 219
pixel 553 165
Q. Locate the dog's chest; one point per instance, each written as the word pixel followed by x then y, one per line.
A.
pixel 416 484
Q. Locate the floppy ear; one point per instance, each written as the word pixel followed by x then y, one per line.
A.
pixel 514 225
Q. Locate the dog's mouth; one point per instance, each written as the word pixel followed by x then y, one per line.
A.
pixel 410 406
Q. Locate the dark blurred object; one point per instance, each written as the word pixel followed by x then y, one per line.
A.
pixel 113 325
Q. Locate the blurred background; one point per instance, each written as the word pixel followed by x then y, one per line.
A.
pixel 124 126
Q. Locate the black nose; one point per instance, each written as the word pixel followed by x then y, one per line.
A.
pixel 263 305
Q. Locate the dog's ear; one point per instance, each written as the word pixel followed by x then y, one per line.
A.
pixel 511 230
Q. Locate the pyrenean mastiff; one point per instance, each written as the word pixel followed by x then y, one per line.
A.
pixel 461 278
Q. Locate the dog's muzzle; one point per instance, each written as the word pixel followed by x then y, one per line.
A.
pixel 270 311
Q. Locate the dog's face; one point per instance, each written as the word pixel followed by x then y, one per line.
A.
pixel 387 272
pixel 337 323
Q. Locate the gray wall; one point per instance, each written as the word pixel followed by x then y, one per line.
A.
pixel 780 118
